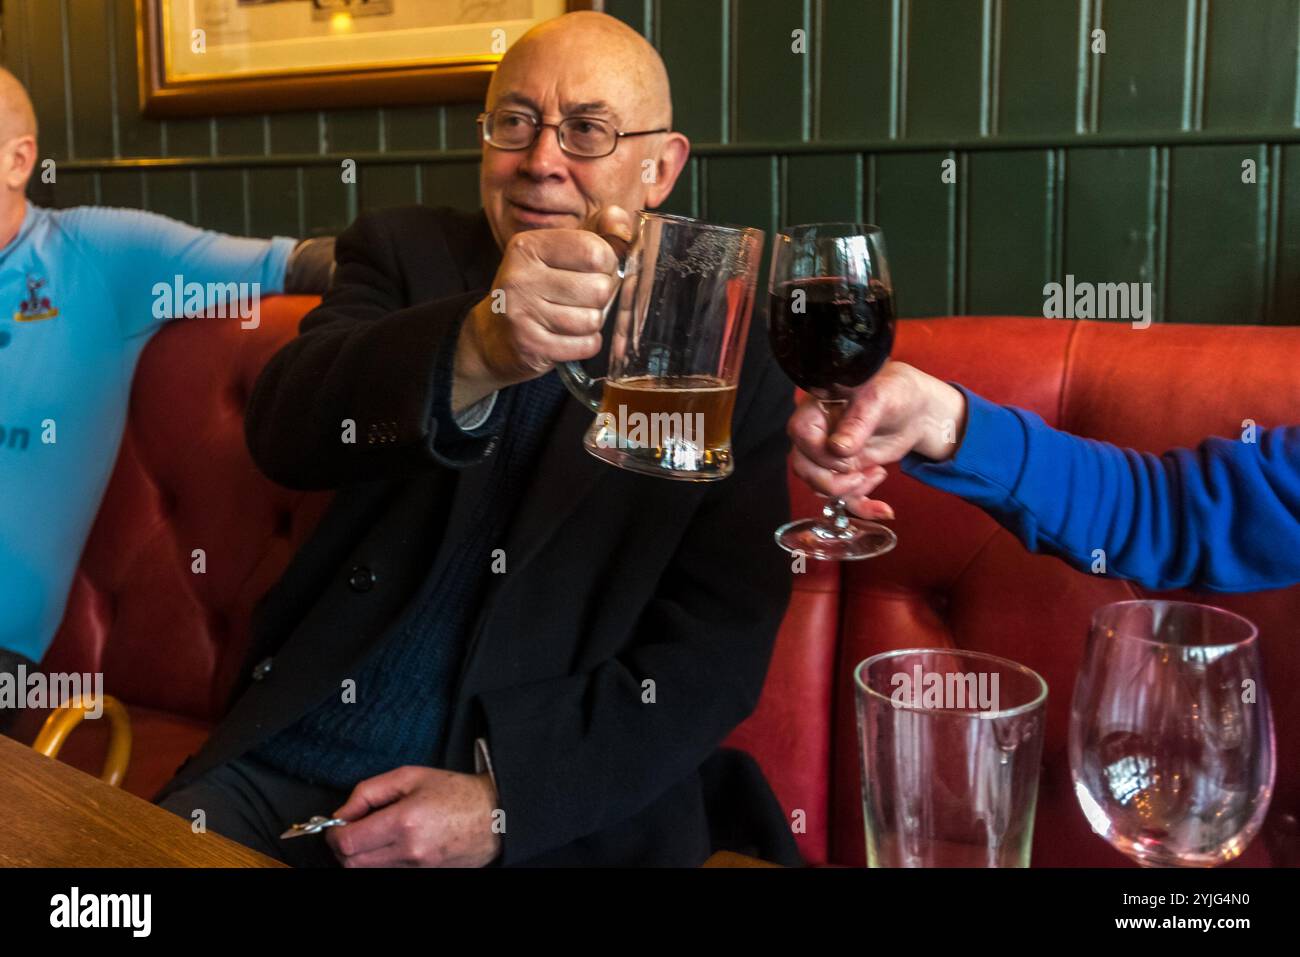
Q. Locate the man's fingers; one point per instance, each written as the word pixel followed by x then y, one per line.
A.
pixel 564 320
pixel 575 249
pixel 374 793
pixel 370 833
pixel 868 508
pixel 570 348
pixel 858 423
pixel 872 476
pixel 824 480
pixel 616 222
pixel 566 287
pixel 808 429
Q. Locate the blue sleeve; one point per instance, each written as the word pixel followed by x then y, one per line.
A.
pixel 141 255
pixel 1223 517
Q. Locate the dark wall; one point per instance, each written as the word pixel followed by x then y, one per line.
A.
pixel 1119 166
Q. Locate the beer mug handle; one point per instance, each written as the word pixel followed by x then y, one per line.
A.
pixel 584 387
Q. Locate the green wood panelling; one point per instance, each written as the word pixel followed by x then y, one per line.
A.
pixel 329 204
pixel 171 193
pixel 413 128
pixel 352 131
pixel 684 199
pixel 853 41
pixel 461 126
pixel 221 200
pixel 770 80
pixel 75 189
pixel 1286 289
pixel 136 135
pixel 42 35
pixel 1008 233
pixel 823 189
pixel 1216 223
pixel 883 83
pixel 273 201
pixel 188 137
pixel 944 67
pixel 450 184
pixel 1034 89
pixel 122 188
pixel 296 133
pixel 241 135
pixel 88 70
pixel 917 211
pixel 1141 74
pixel 634 13
pixel 739 191
pixel 690 40
pixel 389 185
pixel 1250 63
pixel 1110 216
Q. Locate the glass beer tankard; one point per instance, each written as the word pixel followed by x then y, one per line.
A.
pixel 680 321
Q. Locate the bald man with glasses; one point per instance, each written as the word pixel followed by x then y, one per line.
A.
pixel 496 649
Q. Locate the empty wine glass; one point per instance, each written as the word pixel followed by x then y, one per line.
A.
pixel 1171 737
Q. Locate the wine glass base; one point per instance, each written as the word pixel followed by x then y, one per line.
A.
pixel 860 540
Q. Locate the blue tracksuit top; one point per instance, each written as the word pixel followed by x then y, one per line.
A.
pixel 81 292
pixel 1222 517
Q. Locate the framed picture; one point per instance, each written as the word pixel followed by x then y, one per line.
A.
pixel 199 57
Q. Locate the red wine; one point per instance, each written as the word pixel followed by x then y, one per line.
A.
pixel 829 332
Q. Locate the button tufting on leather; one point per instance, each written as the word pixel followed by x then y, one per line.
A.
pixel 361 579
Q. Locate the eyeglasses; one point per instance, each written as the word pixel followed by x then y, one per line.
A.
pixel 578 135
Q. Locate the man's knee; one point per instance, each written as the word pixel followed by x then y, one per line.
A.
pixel 210 808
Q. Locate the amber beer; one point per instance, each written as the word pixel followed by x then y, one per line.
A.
pixel 651 411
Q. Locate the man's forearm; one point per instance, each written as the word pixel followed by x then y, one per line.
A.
pixel 945 423
pixel 1220 517
pixel 472 381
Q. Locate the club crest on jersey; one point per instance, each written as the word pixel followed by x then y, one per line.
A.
pixel 35 306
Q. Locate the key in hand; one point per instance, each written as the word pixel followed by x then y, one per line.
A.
pixel 315 825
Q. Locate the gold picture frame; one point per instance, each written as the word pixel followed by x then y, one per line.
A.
pixel 198 58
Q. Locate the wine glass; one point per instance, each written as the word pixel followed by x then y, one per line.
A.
pixel 1171 737
pixel 831 325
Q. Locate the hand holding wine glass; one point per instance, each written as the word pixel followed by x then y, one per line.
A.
pixel 900 410
pixel 831 325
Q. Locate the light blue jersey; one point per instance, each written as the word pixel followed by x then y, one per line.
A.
pixel 81 292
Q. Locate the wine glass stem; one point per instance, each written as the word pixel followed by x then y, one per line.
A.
pixel 835 514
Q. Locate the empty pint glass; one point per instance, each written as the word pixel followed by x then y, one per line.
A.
pixel 951 743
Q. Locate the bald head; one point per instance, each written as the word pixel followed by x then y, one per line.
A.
pixel 17 117
pixel 607 51
pixel 581 66
pixel 17 153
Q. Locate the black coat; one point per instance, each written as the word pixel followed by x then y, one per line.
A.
pixel 612 579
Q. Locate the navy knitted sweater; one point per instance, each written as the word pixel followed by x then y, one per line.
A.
pixel 404 689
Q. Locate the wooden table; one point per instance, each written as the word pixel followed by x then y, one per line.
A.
pixel 52 815
pixel 732 859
